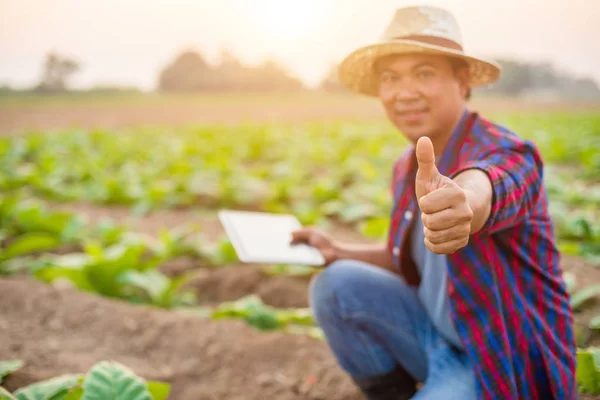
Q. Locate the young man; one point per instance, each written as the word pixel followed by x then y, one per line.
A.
pixel 467 296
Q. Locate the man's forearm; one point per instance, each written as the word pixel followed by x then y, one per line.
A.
pixel 376 254
pixel 478 190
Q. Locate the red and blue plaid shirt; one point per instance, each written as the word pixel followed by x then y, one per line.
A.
pixel 508 300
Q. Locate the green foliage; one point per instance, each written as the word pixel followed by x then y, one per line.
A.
pixel 9 366
pixel 588 370
pixel 51 389
pixel 106 380
pixel 257 314
pixel 581 296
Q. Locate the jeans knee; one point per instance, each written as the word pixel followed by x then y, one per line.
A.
pixel 340 279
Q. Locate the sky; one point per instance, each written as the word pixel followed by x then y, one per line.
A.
pixel 128 42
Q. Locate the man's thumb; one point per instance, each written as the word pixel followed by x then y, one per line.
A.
pixel 427 171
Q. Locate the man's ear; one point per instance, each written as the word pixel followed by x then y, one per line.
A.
pixel 462 74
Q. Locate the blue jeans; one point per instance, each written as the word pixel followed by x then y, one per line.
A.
pixel 374 321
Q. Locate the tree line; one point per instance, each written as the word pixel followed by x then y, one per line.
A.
pixel 190 72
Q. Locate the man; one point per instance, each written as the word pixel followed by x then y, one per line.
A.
pixel 467 296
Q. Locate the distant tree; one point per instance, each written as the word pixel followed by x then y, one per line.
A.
pixel 57 71
pixel 189 72
pixel 331 82
pixel 519 78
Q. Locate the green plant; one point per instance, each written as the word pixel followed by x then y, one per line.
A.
pixel 124 270
pixel 257 314
pixel 105 380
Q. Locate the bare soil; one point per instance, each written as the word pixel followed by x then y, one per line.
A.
pixel 48 113
pixel 57 331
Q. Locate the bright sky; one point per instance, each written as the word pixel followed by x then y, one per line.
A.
pixel 129 41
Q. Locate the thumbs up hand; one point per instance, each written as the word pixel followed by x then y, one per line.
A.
pixel 446 213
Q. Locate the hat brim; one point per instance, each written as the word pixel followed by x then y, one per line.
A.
pixel 357 73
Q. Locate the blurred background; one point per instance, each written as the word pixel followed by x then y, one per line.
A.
pixel 126 125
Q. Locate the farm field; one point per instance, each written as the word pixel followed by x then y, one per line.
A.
pixel 111 249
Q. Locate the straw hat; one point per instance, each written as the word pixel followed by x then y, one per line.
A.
pixel 415 29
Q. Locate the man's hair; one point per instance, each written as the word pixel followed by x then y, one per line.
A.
pixel 458 64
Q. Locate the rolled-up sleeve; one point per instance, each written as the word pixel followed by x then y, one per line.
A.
pixel 516 174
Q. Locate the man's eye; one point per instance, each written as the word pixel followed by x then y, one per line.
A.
pixel 388 78
pixel 424 74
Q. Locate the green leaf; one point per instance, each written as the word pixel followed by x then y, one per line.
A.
pixel 583 295
pixel 570 281
pixel 74 394
pixel 31 242
pixel 109 380
pixel 159 390
pixel 594 323
pixel 152 282
pixel 49 389
pixel 587 375
pixel 5 394
pixel 9 366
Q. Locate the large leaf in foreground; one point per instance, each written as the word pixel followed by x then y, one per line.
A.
pixel 5 394
pixel 113 381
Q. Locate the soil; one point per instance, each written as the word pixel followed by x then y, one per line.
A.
pixel 231 283
pixel 66 331
pixel 170 111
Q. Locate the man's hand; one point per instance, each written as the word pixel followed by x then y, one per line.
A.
pixel 319 239
pixel 446 213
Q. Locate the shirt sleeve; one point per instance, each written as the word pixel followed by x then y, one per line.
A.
pixel 516 174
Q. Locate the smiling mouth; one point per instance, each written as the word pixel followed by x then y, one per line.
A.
pixel 411 115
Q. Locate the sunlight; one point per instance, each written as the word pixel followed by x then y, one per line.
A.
pixel 288 20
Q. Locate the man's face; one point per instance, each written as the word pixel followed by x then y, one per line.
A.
pixel 423 95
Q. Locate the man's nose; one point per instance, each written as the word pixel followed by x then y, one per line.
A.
pixel 406 91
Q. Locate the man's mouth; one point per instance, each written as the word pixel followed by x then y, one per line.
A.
pixel 412 115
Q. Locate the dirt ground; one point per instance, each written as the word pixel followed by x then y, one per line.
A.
pixel 67 331
pixel 169 111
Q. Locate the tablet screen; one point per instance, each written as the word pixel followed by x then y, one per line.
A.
pixel 265 238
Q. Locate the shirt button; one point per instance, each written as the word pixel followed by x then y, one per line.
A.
pixel 408 215
pixel 396 251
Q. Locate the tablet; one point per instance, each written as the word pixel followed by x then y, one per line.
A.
pixel 259 237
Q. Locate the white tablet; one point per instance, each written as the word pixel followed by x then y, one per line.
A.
pixel 265 238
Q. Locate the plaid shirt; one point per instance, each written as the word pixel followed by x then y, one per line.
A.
pixel 507 297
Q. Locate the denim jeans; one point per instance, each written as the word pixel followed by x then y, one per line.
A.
pixel 373 321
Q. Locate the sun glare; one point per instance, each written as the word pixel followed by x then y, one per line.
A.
pixel 289 20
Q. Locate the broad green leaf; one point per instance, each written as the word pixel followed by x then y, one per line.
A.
pixel 570 281
pixel 49 389
pixel 152 282
pixel 587 375
pixel 74 394
pixel 594 323
pixel 75 275
pixel 5 394
pixel 108 380
pixel 581 296
pixel 159 390
pixel 31 242
pixel 9 366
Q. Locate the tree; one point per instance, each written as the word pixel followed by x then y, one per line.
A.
pixel 331 82
pixel 189 72
pixel 56 73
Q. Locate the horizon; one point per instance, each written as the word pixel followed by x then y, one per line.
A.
pixel 299 36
